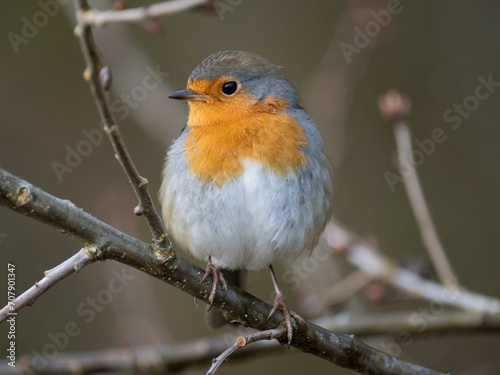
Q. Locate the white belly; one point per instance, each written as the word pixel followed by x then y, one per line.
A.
pixel 249 222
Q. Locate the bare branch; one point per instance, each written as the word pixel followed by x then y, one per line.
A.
pixel 421 210
pixel 375 264
pixel 101 18
pixel 241 342
pixel 99 87
pixel 74 264
pixel 395 108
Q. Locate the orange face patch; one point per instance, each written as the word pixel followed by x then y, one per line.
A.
pixel 226 130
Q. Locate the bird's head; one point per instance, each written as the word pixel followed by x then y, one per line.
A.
pixel 235 84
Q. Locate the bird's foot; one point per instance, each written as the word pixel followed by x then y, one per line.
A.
pixel 280 304
pixel 217 277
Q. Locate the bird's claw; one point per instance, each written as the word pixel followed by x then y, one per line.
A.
pixel 280 304
pixel 217 277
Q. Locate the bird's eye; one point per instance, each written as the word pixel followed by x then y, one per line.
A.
pixel 229 88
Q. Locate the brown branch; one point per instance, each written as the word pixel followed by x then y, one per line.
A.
pixel 243 341
pixel 235 304
pixel 98 87
pixel 395 108
pixel 101 18
pixel 74 264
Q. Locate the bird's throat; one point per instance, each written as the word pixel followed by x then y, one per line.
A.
pixel 221 138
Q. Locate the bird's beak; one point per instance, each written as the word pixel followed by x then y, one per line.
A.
pixel 188 94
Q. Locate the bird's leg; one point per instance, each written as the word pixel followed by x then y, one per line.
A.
pixel 217 277
pixel 280 303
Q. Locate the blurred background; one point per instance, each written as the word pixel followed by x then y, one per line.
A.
pixel 340 62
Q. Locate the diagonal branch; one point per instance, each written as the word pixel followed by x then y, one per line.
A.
pixel 421 210
pixel 395 109
pixel 74 264
pixel 235 304
pixel 99 80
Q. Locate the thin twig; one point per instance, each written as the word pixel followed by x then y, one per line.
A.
pixel 421 210
pixel 243 341
pixel 235 304
pixel 375 264
pixel 395 108
pixel 99 87
pixel 74 264
pixel 101 18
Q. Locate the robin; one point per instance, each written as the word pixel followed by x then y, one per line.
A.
pixel 247 182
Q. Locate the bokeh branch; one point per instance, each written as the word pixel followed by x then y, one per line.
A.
pixel 375 264
pixel 395 109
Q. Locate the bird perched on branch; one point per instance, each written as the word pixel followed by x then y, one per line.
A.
pixel 247 181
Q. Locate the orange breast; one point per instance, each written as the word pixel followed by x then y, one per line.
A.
pixel 223 133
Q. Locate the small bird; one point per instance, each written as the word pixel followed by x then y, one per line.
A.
pixel 247 182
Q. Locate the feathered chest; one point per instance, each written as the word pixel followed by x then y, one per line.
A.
pixel 216 151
